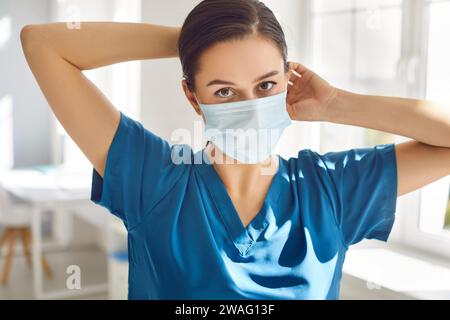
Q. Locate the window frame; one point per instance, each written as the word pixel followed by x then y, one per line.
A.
pixel 412 235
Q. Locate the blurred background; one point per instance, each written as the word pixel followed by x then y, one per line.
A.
pixel 56 244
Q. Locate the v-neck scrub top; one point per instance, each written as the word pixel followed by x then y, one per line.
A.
pixel 186 239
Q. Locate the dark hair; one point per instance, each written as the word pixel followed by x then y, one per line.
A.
pixel 213 21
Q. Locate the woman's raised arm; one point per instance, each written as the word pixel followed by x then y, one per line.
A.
pixel 57 55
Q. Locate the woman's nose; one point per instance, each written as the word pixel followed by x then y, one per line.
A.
pixel 248 96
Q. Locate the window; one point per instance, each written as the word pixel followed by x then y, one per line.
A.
pixel 434 213
pixel 6 133
pixel 438 78
pixel 357 46
pixel 6 107
pixel 389 47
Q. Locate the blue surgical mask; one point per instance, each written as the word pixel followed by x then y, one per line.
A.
pixel 247 130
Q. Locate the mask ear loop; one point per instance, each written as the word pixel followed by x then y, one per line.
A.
pixel 207 142
pixel 186 79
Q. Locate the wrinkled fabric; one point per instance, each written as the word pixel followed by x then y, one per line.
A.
pixel 186 240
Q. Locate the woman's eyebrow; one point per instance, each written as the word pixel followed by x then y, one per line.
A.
pixel 217 81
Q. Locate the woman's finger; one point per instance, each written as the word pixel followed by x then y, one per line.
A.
pixel 295 77
pixel 299 68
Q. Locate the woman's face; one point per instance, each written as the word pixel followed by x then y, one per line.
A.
pixel 237 70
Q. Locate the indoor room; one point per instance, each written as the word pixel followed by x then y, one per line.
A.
pixel 98 99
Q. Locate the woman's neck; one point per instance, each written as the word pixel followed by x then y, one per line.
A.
pixel 241 178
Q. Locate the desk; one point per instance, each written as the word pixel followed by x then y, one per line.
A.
pixel 50 188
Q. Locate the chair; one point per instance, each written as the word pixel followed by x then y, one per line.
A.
pixel 16 220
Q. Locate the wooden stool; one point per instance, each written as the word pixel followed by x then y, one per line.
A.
pixel 9 236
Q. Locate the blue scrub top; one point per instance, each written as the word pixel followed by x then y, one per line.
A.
pixel 185 237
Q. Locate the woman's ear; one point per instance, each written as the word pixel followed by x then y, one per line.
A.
pixel 288 74
pixel 290 67
pixel 191 98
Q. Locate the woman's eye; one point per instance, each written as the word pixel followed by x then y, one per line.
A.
pixel 222 93
pixel 266 86
pixel 227 92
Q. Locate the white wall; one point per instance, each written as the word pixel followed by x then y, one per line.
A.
pixel 31 120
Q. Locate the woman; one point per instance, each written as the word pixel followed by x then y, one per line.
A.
pixel 225 228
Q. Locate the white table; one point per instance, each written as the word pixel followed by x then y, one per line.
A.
pixel 50 188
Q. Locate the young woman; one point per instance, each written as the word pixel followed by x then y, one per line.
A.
pixel 218 230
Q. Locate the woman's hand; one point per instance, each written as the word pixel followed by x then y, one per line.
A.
pixel 309 96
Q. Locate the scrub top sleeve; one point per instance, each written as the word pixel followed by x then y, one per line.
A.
pixel 365 185
pixel 138 173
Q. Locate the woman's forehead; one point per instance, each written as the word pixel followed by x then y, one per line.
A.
pixel 241 60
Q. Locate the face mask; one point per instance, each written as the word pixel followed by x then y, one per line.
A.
pixel 247 130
